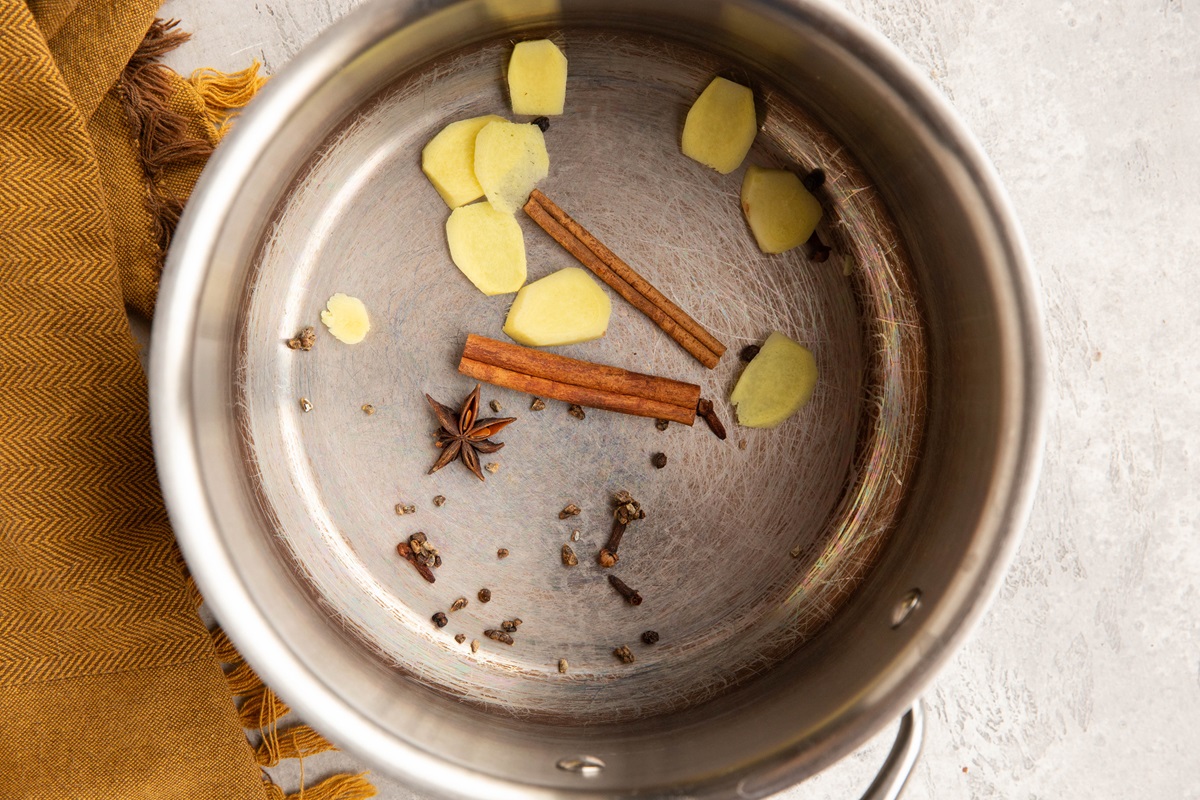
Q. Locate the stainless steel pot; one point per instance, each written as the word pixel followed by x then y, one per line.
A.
pixel 854 575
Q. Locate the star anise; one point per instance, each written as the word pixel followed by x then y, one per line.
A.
pixel 463 435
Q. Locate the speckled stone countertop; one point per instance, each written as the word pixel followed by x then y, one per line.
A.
pixel 1084 678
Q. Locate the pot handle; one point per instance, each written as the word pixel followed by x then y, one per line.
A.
pixel 894 773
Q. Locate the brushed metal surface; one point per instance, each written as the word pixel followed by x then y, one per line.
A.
pixel 285 517
pixel 363 220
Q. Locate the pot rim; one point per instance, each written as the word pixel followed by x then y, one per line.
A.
pixel 178 459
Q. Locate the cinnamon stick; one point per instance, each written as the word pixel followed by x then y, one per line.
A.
pixel 570 393
pixel 624 280
pixel 582 382
pixel 561 369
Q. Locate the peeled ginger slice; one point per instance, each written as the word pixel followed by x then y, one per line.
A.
pixel 488 247
pixel 537 78
pixel 781 212
pixel 775 384
pixel 720 126
pixel 510 159
pixel 565 307
pixel 346 318
pixel 449 160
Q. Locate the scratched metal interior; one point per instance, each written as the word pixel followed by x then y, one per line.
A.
pixel 713 558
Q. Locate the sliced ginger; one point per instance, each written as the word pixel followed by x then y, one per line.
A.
pixel 776 384
pixel 565 307
pixel 781 212
pixel 720 126
pixel 537 78
pixel 510 159
pixel 449 160
pixel 346 318
pixel 487 246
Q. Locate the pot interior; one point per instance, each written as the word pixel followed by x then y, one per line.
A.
pixel 771 563
pixel 790 518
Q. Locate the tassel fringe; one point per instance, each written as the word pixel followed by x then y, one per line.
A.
pixel 297 741
pixel 225 93
pixel 145 91
pixel 163 135
pixel 261 710
pixel 338 787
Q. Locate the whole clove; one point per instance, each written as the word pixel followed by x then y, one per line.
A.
pixel 440 620
pixel 705 409
pixel 499 636
pixel 631 595
pixel 569 558
pixel 626 510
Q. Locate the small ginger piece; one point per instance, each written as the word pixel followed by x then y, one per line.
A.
pixel 448 161
pixel 720 126
pixel 776 384
pixel 782 214
pixel 488 247
pixel 510 159
pixel 537 78
pixel 346 318
pixel 565 307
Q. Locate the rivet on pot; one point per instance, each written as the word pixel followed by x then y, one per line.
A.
pixel 905 607
pixel 581 765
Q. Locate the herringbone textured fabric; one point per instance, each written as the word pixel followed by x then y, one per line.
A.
pixel 109 686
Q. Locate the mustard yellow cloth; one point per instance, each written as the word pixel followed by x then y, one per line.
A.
pixel 110 684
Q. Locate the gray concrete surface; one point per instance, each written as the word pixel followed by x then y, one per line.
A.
pixel 1084 679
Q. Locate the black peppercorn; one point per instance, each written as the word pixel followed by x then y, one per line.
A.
pixel 650 637
pixel 814 180
pixel 659 461
pixel 748 353
pixel 543 123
